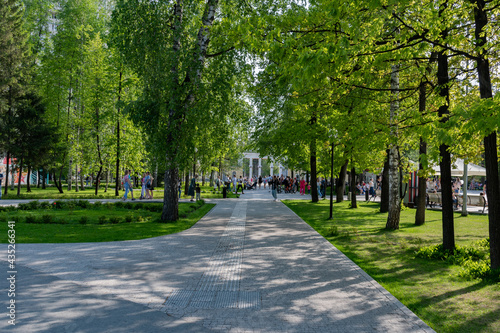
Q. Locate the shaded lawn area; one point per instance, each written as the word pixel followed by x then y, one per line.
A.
pixel 431 289
pixel 89 193
pixel 104 224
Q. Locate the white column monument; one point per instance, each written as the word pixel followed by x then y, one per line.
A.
pixel 260 167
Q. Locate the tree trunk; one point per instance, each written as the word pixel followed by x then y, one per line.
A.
pixel 98 142
pixel 76 178
pixel 384 193
pixel 445 164
pixel 341 182
pixel 44 175
pixel 82 187
pixel 107 181
pixel 422 186
pixel 155 179
pixel 170 199
pixel 186 184
pixel 352 186
pixel 70 173
pixel 7 169
pixel 38 178
pixel 28 180
pixel 19 177
pixel 314 181
pixel 490 141
pixel 118 183
pixel 59 187
pixel 394 198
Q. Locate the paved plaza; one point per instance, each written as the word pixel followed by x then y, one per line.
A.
pixel 250 265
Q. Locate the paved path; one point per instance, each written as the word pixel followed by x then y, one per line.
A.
pixel 250 265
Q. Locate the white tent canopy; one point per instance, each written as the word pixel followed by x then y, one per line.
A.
pixel 457 169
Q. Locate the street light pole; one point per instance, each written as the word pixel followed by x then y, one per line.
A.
pixel 331 187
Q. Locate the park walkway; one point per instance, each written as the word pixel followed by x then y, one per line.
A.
pixel 250 265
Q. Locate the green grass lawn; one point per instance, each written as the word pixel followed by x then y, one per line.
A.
pixel 89 193
pixel 431 289
pixel 104 223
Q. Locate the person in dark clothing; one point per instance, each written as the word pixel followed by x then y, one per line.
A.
pixel 274 187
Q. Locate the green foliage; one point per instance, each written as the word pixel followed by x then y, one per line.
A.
pixel 331 231
pixel 473 259
pixel 84 219
pixel 31 219
pixel 90 225
pixel 476 269
pixel 477 251
pixel 114 220
pixel 102 219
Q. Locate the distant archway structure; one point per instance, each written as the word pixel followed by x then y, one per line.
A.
pixel 256 156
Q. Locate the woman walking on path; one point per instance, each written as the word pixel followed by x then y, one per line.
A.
pixel 128 185
pixel 192 186
pixel 302 186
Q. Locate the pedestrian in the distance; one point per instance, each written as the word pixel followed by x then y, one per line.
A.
pixel 128 185
pixel 143 186
pixel 198 192
pixel 240 185
pixel 191 188
pixel 148 182
pixel 302 186
pixel 274 187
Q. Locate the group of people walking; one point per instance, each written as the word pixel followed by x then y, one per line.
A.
pixel 147 186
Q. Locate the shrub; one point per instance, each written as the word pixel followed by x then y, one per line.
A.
pixel 108 205
pixel 59 204
pixel 128 218
pixel 70 204
pixel 31 219
pixel 102 219
pixel 477 251
pixel 84 219
pixel 23 206
pixel 119 204
pixel 472 269
pixel 127 205
pixel 97 205
pixel 33 205
pixel 45 205
pixel 114 219
pixel 48 219
pixel 332 231
pixel 138 206
pixel 83 203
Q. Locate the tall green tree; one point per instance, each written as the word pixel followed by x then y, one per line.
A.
pixel 14 55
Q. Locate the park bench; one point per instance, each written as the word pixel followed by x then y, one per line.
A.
pixel 434 198
pixel 477 201
pixel 472 200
